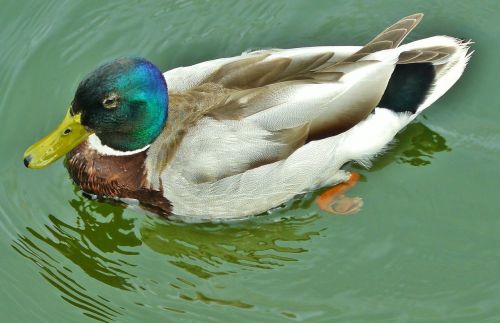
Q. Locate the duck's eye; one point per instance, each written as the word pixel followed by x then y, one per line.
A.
pixel 111 101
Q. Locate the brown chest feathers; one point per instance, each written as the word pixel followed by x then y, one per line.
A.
pixel 115 177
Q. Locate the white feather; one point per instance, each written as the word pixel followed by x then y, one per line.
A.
pixel 96 144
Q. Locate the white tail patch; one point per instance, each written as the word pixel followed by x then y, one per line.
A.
pixel 450 72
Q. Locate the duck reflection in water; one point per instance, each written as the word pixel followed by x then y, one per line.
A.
pixel 105 242
pixel 202 248
pixel 99 241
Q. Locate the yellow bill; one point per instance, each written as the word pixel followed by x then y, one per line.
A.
pixel 58 143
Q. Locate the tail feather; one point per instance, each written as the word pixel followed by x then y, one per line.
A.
pixel 425 70
pixel 411 89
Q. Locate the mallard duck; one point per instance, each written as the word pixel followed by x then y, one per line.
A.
pixel 235 137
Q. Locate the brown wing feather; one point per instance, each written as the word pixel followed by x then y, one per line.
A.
pixel 259 70
pixel 290 139
pixel 391 37
pixel 430 54
pixel 253 71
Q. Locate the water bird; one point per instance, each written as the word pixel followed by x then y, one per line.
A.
pixel 234 137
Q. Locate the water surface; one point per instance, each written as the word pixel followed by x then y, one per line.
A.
pixel 425 247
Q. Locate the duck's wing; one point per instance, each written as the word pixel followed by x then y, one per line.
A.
pixel 262 67
pixel 330 93
pixel 256 68
pixel 332 88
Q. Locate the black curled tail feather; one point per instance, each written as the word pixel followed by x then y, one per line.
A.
pixel 408 87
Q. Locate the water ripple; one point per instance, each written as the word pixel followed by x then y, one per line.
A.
pixel 201 249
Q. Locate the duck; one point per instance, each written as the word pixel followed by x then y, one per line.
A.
pixel 235 137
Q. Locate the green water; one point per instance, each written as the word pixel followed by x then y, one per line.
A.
pixel 425 247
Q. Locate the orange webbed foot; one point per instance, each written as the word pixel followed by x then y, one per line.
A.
pixel 334 201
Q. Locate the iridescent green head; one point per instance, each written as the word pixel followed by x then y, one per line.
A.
pixel 124 102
